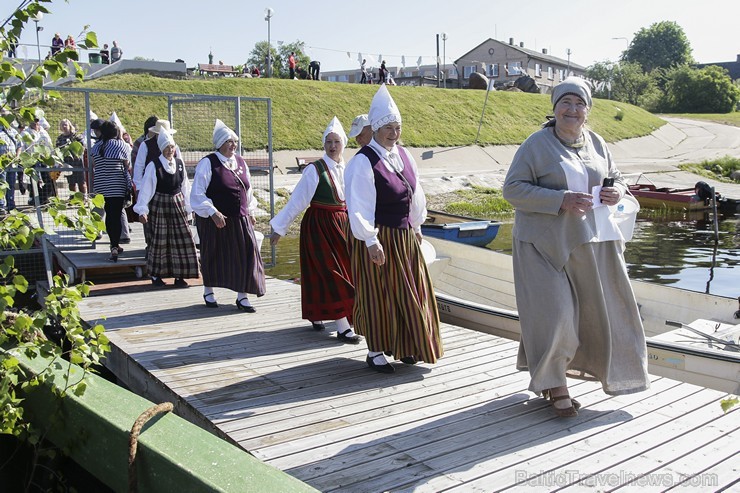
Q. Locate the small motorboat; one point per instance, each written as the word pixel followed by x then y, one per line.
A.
pixel 697 198
pixel 462 229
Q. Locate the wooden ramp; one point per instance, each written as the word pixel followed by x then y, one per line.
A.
pixel 303 402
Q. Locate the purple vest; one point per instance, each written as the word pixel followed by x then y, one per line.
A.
pixel 393 193
pixel 227 192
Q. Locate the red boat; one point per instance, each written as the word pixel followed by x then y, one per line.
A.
pixel 692 199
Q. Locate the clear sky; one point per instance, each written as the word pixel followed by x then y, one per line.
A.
pixel 188 29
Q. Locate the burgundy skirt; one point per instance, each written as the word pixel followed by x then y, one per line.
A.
pixel 327 291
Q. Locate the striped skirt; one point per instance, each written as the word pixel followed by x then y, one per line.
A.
pixel 327 292
pixel 395 307
pixel 171 251
pixel 229 257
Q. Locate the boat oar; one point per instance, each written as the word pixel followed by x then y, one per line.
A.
pixel 729 345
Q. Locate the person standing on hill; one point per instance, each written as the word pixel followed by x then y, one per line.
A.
pixel 395 307
pixel 291 65
pixel 363 72
pixel 116 52
pixel 224 203
pixel 57 44
pixel 105 54
pixel 578 313
pixel 327 292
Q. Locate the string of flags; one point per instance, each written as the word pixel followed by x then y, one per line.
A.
pixel 380 58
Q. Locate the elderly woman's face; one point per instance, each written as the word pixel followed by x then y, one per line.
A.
pixel 228 148
pixel 168 152
pixel 333 146
pixel 571 112
pixel 388 135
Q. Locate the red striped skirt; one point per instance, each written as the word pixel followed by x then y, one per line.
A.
pixel 395 307
pixel 327 291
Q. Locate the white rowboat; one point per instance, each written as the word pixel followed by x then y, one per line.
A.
pixel 474 288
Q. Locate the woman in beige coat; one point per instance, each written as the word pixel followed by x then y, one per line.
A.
pixel 576 306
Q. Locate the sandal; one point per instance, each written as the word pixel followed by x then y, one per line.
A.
pixel 568 412
pixel 547 394
pixel 113 254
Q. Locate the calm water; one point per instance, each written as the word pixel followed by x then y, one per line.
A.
pixel 674 250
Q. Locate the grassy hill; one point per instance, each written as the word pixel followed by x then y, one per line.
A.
pixel 431 117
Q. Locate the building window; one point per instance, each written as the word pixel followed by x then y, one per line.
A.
pixel 538 70
pixel 467 70
pixel 550 73
pixel 493 70
pixel 452 71
pixel 514 68
pixel 561 74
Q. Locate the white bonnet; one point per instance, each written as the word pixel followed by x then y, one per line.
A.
pixel 335 126
pixel 222 133
pixel 164 139
pixel 383 109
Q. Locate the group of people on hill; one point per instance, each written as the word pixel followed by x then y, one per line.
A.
pixel 107 55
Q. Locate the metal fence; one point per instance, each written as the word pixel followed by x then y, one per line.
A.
pixel 193 116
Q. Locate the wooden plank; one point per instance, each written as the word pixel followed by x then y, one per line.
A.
pixel 308 405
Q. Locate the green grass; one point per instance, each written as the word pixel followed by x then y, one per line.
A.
pixel 716 169
pixel 431 117
pixel 478 202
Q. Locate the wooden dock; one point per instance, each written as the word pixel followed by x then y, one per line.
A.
pixel 301 401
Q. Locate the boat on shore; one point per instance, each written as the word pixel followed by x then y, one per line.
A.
pixel 474 288
pixel 697 198
pixel 462 229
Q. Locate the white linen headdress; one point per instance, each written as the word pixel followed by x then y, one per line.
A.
pixel 114 118
pixel 383 109
pixel 164 139
pixel 222 133
pixel 335 126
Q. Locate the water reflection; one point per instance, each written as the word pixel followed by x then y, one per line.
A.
pixel 677 250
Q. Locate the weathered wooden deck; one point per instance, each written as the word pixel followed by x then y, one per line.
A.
pixel 305 403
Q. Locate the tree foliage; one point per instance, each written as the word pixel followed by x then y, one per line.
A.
pixel 662 45
pixel 705 90
pixel 625 81
pixel 258 57
pixel 22 331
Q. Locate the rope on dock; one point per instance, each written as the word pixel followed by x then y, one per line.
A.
pixel 133 440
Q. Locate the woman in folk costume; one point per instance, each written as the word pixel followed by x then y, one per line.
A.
pixel 164 203
pixel 327 292
pixel 224 203
pixel 395 308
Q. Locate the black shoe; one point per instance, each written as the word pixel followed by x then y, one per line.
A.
pixel 125 241
pixel 158 283
pixel 343 337
pixel 210 304
pixel 386 368
pixel 408 360
pixel 181 283
pixel 245 308
pixel 318 325
pixel 114 254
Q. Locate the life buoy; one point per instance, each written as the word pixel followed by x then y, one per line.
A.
pixel 490 51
